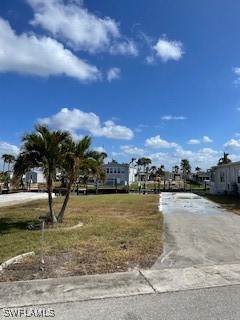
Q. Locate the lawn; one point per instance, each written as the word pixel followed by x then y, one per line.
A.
pixel 231 203
pixel 119 232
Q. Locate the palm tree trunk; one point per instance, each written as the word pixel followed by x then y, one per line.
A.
pixel 65 202
pixel 50 202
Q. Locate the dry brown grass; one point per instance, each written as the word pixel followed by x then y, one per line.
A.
pixel 120 232
pixel 231 203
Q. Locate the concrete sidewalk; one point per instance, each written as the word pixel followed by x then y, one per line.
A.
pixel 136 282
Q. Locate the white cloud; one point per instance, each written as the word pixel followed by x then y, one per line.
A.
pixel 193 141
pixel 41 56
pixel 233 144
pixel 113 73
pixel 206 139
pixel 125 47
pixel 74 120
pixel 237 72
pixel 140 127
pixel 157 142
pixel 131 150
pixel 7 148
pixel 79 28
pixel 100 149
pixel 169 50
pixel 170 117
pixel 150 60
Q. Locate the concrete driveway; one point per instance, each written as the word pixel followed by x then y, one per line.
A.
pixel 197 232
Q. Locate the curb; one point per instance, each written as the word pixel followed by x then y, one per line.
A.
pixel 15 259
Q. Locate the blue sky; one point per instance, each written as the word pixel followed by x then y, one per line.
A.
pixel 156 78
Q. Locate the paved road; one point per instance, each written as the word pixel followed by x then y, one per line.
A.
pixel 220 303
pixel 197 232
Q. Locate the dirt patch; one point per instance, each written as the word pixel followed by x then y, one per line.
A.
pixel 69 264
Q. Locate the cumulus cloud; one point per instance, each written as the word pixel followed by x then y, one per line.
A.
pixel 157 142
pixel 206 139
pixel 170 117
pixel 193 141
pixel 232 144
pixel 75 120
pixel 7 148
pixel 129 151
pixel 41 56
pixel 113 73
pixel 79 28
pixel 169 50
pixel 100 149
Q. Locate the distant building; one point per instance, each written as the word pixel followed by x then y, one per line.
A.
pixel 225 178
pixel 34 176
pixel 201 176
pixel 122 174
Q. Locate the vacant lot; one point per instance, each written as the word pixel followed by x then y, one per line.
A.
pixel 119 232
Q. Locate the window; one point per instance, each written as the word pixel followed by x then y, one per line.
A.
pixel 119 170
pixel 115 170
pixel 111 170
pixel 107 170
pixel 238 176
pixel 222 176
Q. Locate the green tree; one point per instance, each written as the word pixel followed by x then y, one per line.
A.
pixel 224 159
pixel 46 149
pixel 7 158
pixel 175 169
pixel 160 171
pixel 185 167
pixel 143 166
pixel 80 160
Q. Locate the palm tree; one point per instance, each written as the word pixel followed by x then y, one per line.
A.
pixel 224 160
pixel 175 169
pixel 7 158
pixel 143 163
pixel 185 166
pixel 43 148
pixel 80 160
pixel 10 160
pixel 152 171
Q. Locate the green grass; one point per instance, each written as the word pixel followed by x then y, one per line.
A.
pixel 119 231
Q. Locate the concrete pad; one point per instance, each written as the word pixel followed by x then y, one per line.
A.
pixel 197 232
pixel 166 280
pixel 48 291
pixel 16 198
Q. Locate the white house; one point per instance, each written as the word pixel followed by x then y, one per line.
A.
pixel 225 178
pixel 121 174
pixel 35 176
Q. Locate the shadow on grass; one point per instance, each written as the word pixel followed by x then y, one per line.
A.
pixel 8 225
